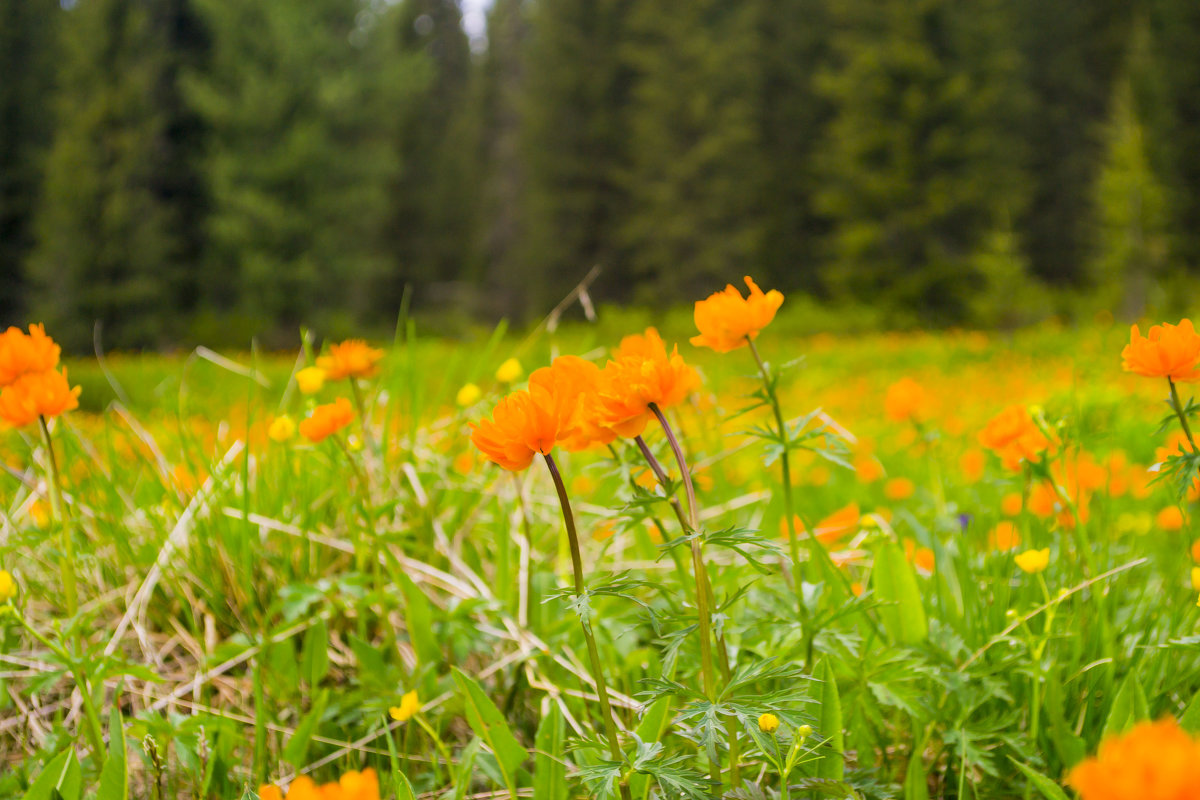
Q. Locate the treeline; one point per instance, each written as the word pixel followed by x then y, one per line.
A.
pixel 212 170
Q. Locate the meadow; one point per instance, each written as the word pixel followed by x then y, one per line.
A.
pixel 229 578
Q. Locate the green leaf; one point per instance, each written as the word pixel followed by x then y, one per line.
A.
pixel 1190 721
pixel 297 746
pixel 550 773
pixel 114 776
pixel 404 789
pixel 488 723
pixel 1128 708
pixel 832 764
pixel 895 585
pixel 650 729
pixel 315 658
pixel 915 785
pixel 1049 789
pixel 466 769
pixel 61 775
pixel 418 618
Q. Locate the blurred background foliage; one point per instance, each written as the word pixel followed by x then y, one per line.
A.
pixel 216 170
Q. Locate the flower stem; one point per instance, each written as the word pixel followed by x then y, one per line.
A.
pixel 610 723
pixel 67 562
pixel 1178 407
pixel 94 730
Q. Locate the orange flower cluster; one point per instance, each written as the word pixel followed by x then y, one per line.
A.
pixel 352 358
pixel 1015 437
pixel 33 387
pixel 727 321
pixel 576 404
pixel 905 401
pixel 1167 351
pixel 353 785
pixel 1153 761
pixel 326 420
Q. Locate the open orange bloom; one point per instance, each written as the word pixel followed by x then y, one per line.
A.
pixel 727 321
pixel 527 422
pixel 1014 436
pixel 22 353
pixel 327 419
pixel 353 358
pixel 832 528
pixel 576 380
pixel 37 394
pixel 906 400
pixel 642 374
pixel 353 785
pixel 1153 761
pixel 1167 351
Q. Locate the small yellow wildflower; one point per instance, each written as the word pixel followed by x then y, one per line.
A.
pixel 410 704
pixel 1034 561
pixel 310 380
pixel 8 586
pixel 509 371
pixel 1196 578
pixel 468 395
pixel 281 429
pixel 768 723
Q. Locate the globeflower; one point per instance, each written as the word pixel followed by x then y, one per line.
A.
pixel 906 401
pixel 642 375
pixel 768 723
pixel 352 358
pixel 310 380
pixel 525 423
pixel 572 376
pixel 1167 351
pixel 410 704
pixel 327 419
pixel 8 586
pixel 1153 761
pixel 1033 561
pixel 509 371
pixel 727 321
pixel 37 394
pixel 1014 436
pixel 22 353
pixel 281 429
pixel 353 785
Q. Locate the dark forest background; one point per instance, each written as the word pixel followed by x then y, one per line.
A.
pixel 212 170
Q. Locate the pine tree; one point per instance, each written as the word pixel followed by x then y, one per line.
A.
pixel 28 58
pixel 919 165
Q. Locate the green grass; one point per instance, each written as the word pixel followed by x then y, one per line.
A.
pixel 293 603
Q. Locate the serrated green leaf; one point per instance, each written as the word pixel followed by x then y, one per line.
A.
pixel 895 585
pixel 489 724
pixel 650 729
pixel 832 765
pixel 1049 789
pixel 114 775
pixel 550 772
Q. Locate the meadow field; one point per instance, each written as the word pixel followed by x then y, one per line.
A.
pixel 234 577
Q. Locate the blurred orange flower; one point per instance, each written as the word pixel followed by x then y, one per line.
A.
pixel 327 419
pixel 642 374
pixel 727 321
pixel 353 785
pixel 37 394
pixel 920 557
pixel 1153 761
pixel 527 422
pixel 1170 519
pixel 1004 536
pixel 1014 436
pixel 22 353
pixel 899 489
pixel 837 525
pixel 972 464
pixel 1167 351
pixel 352 358
pixel 905 401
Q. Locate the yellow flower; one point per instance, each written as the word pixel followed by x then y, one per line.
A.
pixel 8 586
pixel 509 371
pixel 1034 561
pixel 310 380
pixel 410 704
pixel 1196 578
pixel 768 723
pixel 468 395
pixel 281 429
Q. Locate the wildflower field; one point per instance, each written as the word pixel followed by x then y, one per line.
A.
pixel 717 561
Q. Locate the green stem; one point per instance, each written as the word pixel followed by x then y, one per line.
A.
pixel 1178 407
pixel 439 744
pixel 94 729
pixel 362 413
pixel 610 723
pixel 661 475
pixel 57 509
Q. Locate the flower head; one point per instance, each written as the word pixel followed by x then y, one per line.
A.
pixel 1004 536
pixel 727 321
pixel 37 394
pixel 327 419
pixel 410 704
pixel 524 423
pixel 643 373
pixel 352 358
pixel 572 376
pixel 1014 436
pixel 1033 561
pixel 281 429
pixel 8 586
pixel 1167 351
pixel 310 380
pixel 509 371
pixel 906 401
pixel 353 785
pixel 22 353
pixel 1153 761
pixel 768 723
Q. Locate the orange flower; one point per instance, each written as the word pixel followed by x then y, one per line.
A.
pixel 1004 536
pixel 1196 551
pixel 1168 351
pixel 576 380
pixel 727 321
pixel 833 527
pixel 972 465
pixel 327 419
pixel 642 374
pixel 353 358
pixel 905 401
pixel 353 785
pixel 1010 504
pixel 1013 435
pixel 899 489
pixel 22 353
pixel 1153 761
pixel 1170 518
pixel 920 557
pixel 37 394
pixel 527 422
pixel 867 469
